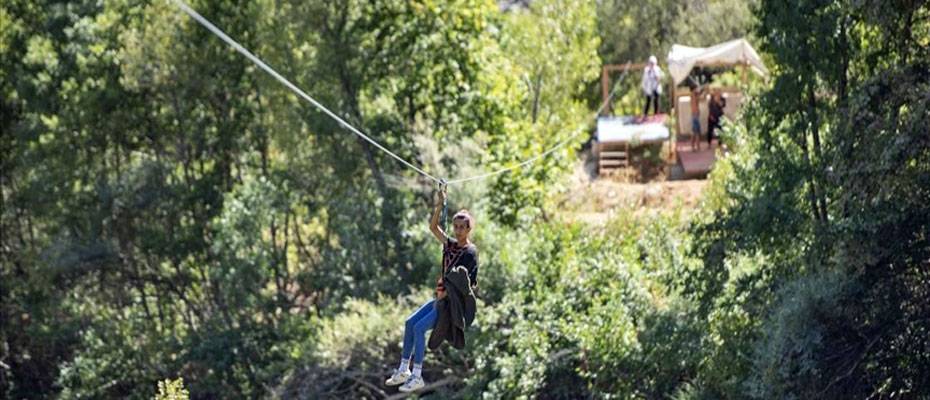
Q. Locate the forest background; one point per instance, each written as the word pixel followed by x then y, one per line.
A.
pixel 170 211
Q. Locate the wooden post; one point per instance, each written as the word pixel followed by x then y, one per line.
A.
pixel 605 82
pixel 629 156
pixel 605 88
pixel 673 139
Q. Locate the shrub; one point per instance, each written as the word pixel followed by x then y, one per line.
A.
pixel 172 390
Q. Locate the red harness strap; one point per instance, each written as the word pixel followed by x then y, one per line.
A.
pixel 450 255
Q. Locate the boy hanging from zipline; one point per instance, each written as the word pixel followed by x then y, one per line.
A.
pixel 456 252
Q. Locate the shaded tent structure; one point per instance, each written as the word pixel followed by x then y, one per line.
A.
pixel 617 135
pixel 682 60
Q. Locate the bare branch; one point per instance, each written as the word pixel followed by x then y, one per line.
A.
pixel 432 386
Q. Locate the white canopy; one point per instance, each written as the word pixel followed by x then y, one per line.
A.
pixel 735 52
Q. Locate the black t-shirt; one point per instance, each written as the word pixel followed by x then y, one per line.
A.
pixel 716 108
pixel 453 256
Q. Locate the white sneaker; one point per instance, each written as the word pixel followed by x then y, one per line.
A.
pixel 398 378
pixel 414 383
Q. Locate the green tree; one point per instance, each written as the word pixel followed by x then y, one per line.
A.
pixel 172 390
pixel 835 134
pixel 549 52
pixel 164 206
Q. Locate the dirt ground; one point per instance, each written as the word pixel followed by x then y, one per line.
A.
pixel 593 199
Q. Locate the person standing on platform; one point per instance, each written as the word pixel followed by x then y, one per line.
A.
pixel 652 85
pixel 714 114
pixel 696 117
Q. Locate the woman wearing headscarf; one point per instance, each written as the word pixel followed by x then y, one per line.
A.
pixel 652 85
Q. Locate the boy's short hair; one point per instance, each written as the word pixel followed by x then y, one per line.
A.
pixel 464 214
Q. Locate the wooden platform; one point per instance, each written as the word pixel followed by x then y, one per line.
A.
pixel 616 136
pixel 696 162
pixel 611 156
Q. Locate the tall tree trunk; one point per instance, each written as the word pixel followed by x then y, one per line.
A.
pixel 844 62
pixel 817 164
pixel 537 93
pixel 907 35
pixel 388 205
pixel 812 193
pixel 335 30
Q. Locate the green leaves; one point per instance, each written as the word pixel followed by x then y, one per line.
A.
pixel 548 54
pixel 808 196
pixel 172 390
pixel 169 210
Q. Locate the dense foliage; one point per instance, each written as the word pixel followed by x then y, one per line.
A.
pixel 175 223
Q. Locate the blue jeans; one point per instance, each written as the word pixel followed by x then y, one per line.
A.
pixel 415 329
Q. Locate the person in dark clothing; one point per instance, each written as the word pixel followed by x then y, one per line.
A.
pixel 456 310
pixel 714 114
pixel 456 252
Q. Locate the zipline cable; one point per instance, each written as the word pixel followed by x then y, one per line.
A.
pixel 558 145
pixel 242 50
pixel 207 24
